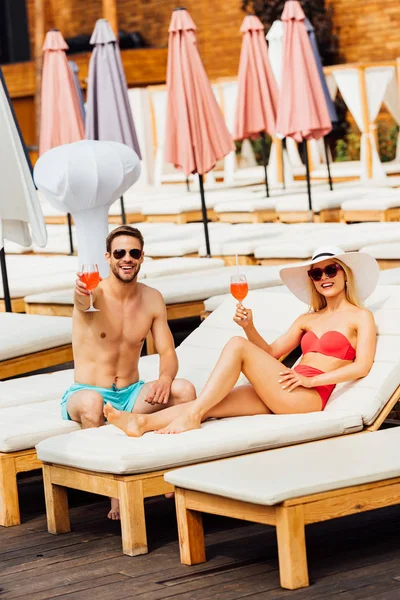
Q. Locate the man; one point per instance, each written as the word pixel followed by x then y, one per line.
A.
pixel 107 344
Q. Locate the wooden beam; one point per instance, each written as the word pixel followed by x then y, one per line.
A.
pixel 365 117
pixel 40 31
pixel 110 13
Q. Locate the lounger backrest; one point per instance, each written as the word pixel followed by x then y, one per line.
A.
pixel 370 394
pixel 273 315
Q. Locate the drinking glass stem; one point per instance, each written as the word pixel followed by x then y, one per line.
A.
pixel 91 299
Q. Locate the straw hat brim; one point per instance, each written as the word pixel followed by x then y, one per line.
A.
pixel 364 267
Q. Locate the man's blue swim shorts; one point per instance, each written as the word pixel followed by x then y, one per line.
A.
pixel 122 399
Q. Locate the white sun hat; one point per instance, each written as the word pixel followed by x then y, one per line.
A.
pixel 364 267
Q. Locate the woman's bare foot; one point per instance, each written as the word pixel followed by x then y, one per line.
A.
pixel 189 420
pixel 133 425
pixel 114 512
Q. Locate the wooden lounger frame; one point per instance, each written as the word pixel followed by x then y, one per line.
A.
pixel 35 361
pixel 181 218
pixel 17 305
pixel 258 216
pixel 289 518
pixel 130 218
pixel 351 216
pixel 302 216
pixel 130 489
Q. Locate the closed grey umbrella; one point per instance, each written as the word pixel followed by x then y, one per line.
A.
pixel 329 103
pixel 75 70
pixel 108 113
pixel 313 40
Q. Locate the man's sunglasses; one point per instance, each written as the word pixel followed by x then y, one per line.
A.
pixel 133 253
pixel 330 271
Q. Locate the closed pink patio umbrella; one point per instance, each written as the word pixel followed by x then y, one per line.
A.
pixel 196 136
pixel 302 111
pixel 257 102
pixel 61 119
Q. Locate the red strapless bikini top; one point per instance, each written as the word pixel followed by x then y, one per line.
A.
pixel 331 343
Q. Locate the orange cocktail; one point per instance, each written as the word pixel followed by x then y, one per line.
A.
pixel 91 280
pixel 239 287
pixel 91 277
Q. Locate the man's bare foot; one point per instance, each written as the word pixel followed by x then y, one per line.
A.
pixel 133 425
pixel 114 512
pixel 189 420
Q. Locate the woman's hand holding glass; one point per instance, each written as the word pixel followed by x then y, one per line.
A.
pixel 243 316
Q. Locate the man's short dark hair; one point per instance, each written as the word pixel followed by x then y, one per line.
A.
pixel 124 230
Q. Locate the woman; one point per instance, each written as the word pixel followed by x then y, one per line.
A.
pixel 337 338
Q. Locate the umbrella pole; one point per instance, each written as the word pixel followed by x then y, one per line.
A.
pixel 327 164
pixel 7 298
pixel 308 179
pixel 123 214
pixel 71 243
pixel 204 213
pixel 283 163
pixel 264 155
pixel 187 184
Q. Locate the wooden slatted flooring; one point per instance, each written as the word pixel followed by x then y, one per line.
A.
pixel 356 557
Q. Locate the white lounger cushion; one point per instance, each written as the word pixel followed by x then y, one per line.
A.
pixel 246 205
pixel 30 274
pixel 24 334
pixel 390 277
pixel 25 425
pixel 320 200
pixel 383 251
pixel 381 201
pixel 348 237
pixel 269 478
pixel 36 388
pixel 109 450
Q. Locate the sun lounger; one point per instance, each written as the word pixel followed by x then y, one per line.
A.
pixel 326 205
pixel 32 342
pixel 30 412
pixel 107 462
pixel 383 205
pixel 349 237
pixel 29 274
pixel 288 488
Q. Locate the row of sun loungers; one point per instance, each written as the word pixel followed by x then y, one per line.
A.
pixel 107 462
pixel 348 203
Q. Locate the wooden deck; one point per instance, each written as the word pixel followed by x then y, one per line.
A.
pixel 352 558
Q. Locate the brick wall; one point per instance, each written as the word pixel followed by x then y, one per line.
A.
pixel 218 25
pixel 368 30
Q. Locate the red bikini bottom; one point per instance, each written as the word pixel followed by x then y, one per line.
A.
pixel 323 390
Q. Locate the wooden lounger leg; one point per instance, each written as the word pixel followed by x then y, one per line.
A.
pixel 133 520
pixel 290 531
pixel 9 505
pixel 56 504
pixel 190 530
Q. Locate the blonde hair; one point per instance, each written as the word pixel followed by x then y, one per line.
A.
pixel 318 301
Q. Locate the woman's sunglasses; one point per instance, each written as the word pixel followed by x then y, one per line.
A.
pixel 133 253
pixel 330 271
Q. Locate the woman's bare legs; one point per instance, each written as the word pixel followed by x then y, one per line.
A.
pixel 239 355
